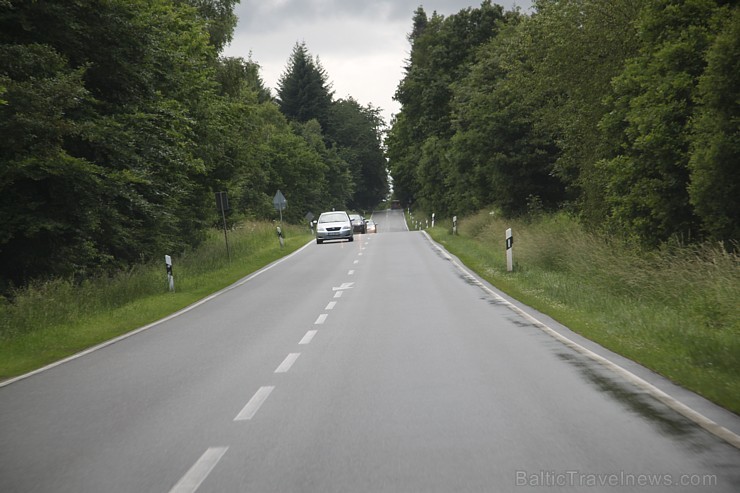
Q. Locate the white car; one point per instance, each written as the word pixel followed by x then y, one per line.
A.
pixel 334 225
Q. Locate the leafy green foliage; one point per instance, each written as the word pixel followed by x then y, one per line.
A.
pixel 304 90
pixel 503 155
pixel 655 97
pixel 120 121
pixel 356 133
pixel 443 51
pixel 622 112
pixel 101 169
pixel 352 133
pixel 715 175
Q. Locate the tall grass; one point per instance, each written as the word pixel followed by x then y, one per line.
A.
pixel 674 310
pixel 53 319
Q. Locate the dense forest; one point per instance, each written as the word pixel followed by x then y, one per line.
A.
pixel 120 121
pixel 625 114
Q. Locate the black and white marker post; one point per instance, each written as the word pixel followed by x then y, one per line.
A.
pixel 280 203
pixel 170 277
pixel 280 236
pixel 222 205
pixel 509 245
pixel 454 225
pixel 309 217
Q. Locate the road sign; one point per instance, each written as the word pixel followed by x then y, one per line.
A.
pixel 222 202
pixel 279 201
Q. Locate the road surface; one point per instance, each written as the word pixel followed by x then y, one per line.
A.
pixel 372 366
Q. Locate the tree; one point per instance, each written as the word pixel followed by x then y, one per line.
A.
pixel 575 49
pixel 442 52
pixel 104 101
pixel 403 157
pixel 502 155
pixel 338 188
pixel 655 96
pixel 714 188
pixel 236 75
pixel 219 17
pixel 304 92
pixel 357 133
pixel 48 205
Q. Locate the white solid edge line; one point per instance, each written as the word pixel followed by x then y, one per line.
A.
pixel 681 408
pixel 287 363
pixel 153 324
pixel 199 471
pixel 254 403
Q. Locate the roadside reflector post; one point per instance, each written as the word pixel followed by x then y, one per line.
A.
pixel 309 217
pixel 280 236
pixel 170 277
pixel 509 245
pixel 432 219
pixel 222 205
pixel 454 225
pixel 280 203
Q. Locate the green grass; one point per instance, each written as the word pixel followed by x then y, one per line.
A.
pixel 675 310
pixel 52 320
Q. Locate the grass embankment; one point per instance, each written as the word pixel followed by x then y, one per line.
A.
pixel 676 310
pixel 50 321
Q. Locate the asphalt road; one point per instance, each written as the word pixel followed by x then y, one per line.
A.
pixel 370 366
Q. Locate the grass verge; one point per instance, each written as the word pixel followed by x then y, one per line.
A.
pixel 674 311
pixel 52 320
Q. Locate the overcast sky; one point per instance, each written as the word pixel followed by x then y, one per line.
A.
pixel 361 43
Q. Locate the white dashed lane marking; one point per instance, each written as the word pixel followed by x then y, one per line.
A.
pixel 287 363
pixel 308 337
pixel 321 319
pixel 200 470
pixel 331 305
pixel 254 403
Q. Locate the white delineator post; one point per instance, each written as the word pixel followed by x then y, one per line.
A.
pixel 509 256
pixel 170 277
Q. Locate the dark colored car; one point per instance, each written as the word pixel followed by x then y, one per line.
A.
pixel 358 223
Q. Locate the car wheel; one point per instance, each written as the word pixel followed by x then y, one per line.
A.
pixel 351 238
pixel 319 241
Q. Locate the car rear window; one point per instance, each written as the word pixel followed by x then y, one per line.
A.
pixel 333 218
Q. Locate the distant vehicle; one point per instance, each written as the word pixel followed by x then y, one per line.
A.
pixel 396 204
pixel 358 223
pixel 334 225
pixel 370 226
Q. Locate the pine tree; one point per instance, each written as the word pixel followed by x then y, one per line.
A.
pixel 304 92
